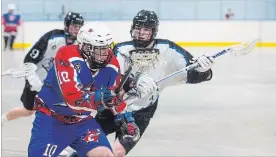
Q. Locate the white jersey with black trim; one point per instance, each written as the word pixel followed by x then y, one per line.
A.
pixel 171 58
pixel 44 51
pixel 46 63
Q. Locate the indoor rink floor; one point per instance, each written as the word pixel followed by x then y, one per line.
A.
pixel 232 115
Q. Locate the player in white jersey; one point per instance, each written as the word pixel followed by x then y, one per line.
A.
pixel 42 55
pixel 152 59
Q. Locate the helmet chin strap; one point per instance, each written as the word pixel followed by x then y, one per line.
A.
pixel 151 45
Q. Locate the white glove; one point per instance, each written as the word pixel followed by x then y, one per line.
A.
pixel 35 82
pixel 144 84
pixel 205 62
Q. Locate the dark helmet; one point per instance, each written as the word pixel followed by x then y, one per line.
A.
pixel 72 18
pixel 147 19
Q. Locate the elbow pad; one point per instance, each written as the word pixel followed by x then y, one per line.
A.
pixel 194 76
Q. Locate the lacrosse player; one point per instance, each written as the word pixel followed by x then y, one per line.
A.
pixel 83 80
pixel 151 59
pixel 42 55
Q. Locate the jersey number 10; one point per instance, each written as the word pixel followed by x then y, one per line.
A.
pixel 63 77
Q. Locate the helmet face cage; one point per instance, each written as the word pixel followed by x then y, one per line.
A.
pixel 72 24
pixel 97 57
pixel 144 28
pixel 142 33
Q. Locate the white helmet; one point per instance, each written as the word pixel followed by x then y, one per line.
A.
pixel 96 34
pixel 94 41
pixel 11 7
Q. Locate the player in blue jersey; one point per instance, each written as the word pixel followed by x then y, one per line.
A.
pixel 83 80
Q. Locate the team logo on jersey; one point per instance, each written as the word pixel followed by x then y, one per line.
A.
pixel 54 47
pixel 11 17
pixel 48 63
pixel 77 67
pixel 92 136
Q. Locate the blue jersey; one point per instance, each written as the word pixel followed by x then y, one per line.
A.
pixel 11 21
pixel 68 92
pixel 67 87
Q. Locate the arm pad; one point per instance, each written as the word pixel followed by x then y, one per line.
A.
pixel 197 77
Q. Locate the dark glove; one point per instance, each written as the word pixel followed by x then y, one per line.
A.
pixel 129 129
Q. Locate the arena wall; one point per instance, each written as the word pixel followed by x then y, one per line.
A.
pixel 185 33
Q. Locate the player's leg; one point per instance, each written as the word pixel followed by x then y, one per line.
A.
pixel 49 136
pixel 12 41
pixel 93 141
pixel 100 151
pixel 6 39
pixel 142 120
pixel 106 121
pixel 27 99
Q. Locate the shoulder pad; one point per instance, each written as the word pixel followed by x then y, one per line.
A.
pixel 56 33
pixel 164 41
pixel 119 45
pixel 124 43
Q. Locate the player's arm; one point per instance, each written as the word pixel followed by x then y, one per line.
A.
pixel 3 21
pixel 35 55
pixel 125 120
pixel 20 21
pixel 37 52
pixel 193 76
pixel 114 98
pixel 77 99
pixel 124 65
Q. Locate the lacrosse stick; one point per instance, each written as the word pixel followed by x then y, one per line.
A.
pixel 238 49
pixel 124 79
pixel 25 70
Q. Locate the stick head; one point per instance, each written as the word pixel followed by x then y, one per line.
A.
pixel 243 48
pixel 23 71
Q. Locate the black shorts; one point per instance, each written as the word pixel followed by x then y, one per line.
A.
pixel 142 120
pixel 27 97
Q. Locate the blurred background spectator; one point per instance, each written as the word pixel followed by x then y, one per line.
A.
pixel 62 14
pixel 10 21
pixel 229 15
